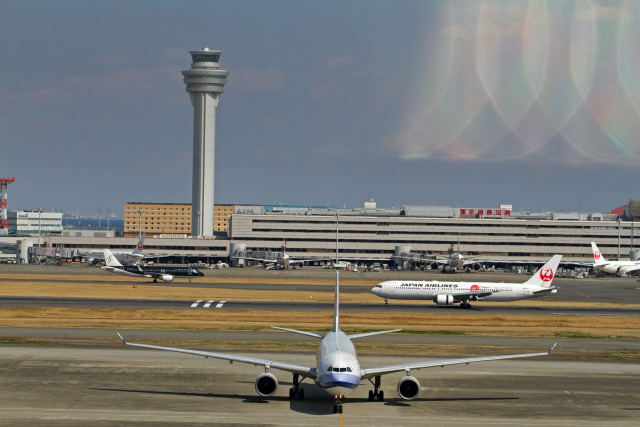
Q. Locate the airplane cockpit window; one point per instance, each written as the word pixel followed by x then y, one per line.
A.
pixel 330 368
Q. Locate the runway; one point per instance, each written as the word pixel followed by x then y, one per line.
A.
pixel 393 307
pixel 55 386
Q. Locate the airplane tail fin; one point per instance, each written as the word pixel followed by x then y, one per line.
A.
pixel 597 256
pixel 138 249
pixel 546 273
pixel 336 308
pixel 110 259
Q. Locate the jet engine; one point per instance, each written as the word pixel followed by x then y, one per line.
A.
pixel 443 299
pixel 434 265
pixel 408 388
pixel 476 266
pixel 92 261
pixel 167 278
pixel 266 384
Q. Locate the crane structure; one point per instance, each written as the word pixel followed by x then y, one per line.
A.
pixel 4 183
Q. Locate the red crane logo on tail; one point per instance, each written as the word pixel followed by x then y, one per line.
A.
pixel 546 274
pixel 596 254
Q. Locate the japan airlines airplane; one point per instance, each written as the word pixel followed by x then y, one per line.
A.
pixel 620 268
pixel 337 370
pixel 165 274
pixel 448 293
pixel 96 257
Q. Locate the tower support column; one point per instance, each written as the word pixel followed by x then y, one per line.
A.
pixel 205 83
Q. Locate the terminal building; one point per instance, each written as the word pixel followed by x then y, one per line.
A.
pixel 500 234
pixel 34 223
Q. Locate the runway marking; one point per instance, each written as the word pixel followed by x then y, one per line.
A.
pixel 208 304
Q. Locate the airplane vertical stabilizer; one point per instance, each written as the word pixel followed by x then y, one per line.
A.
pixel 336 308
pixel 138 249
pixel 546 273
pixel 110 259
pixel 597 255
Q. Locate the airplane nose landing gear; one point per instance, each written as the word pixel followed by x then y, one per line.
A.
pixel 337 406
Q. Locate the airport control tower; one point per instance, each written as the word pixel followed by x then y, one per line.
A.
pixel 205 82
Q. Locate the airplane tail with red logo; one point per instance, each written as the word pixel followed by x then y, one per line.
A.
pixel 597 255
pixel 547 272
pixel 138 249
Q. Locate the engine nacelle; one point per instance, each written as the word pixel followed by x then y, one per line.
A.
pixel 167 278
pixel 408 388
pixel 266 384
pixel 92 261
pixel 434 265
pixel 443 299
pixel 476 266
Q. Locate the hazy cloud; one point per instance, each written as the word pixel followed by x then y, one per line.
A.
pixel 256 80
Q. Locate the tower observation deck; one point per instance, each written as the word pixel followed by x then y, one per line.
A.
pixel 205 83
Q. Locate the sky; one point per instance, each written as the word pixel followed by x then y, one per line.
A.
pixel 458 103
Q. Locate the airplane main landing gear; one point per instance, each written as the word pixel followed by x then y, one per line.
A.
pixel 465 304
pixel 376 393
pixel 296 392
pixel 386 301
pixel 337 406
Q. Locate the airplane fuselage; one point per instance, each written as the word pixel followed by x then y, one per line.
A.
pixel 122 257
pixel 429 290
pixel 618 267
pixel 338 370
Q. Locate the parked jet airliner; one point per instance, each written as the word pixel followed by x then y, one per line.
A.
pixel 620 268
pixel 337 371
pixel 448 293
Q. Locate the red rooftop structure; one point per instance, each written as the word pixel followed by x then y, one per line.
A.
pixel 4 182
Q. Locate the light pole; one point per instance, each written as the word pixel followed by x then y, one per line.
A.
pixel 39 225
pixel 99 216
pixel 140 224
pixel 108 215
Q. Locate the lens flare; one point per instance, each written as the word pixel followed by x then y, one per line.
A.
pixel 512 80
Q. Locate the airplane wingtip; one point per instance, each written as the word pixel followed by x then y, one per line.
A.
pixel 551 349
pixel 121 337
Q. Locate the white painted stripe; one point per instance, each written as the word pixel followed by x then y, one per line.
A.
pixel 195 304
pixel 220 304
pixel 207 304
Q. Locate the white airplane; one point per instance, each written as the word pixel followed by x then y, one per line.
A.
pixel 448 293
pixel 337 371
pixel 619 268
pixel 97 257
pixel 456 260
pixel 284 261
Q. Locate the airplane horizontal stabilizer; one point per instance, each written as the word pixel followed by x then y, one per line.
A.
pixel 295 331
pixel 367 334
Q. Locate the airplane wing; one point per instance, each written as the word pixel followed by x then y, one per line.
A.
pixel 382 370
pixel 551 290
pixel 305 371
pixel 461 296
